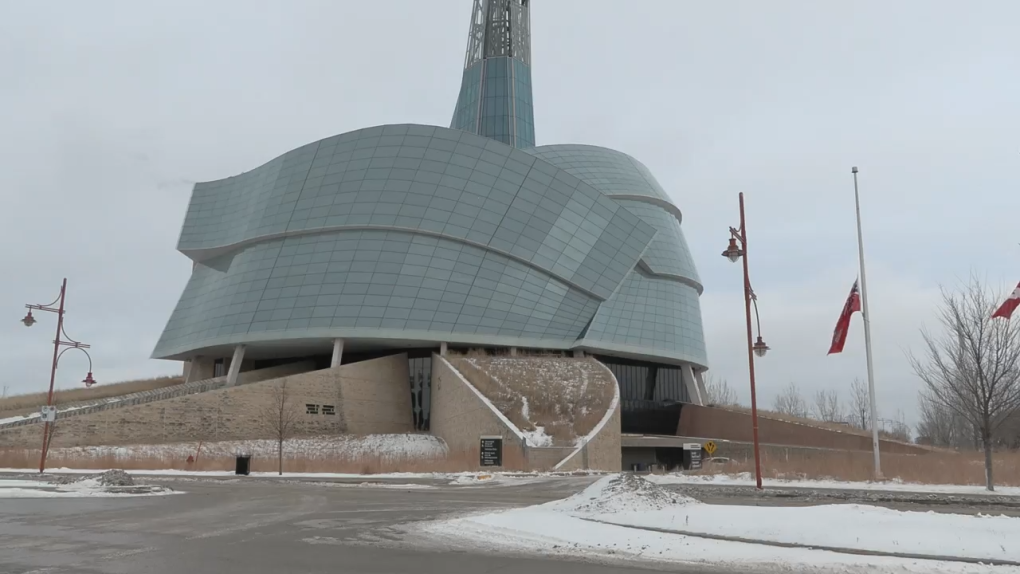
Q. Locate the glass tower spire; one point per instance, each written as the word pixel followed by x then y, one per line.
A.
pixel 495 98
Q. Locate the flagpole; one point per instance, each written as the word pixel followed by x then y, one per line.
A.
pixel 867 335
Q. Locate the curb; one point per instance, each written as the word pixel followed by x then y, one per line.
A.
pixel 854 551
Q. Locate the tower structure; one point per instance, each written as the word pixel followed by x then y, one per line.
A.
pixel 410 238
pixel 495 98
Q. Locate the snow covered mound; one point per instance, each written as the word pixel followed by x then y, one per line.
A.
pixel 115 478
pixel 108 478
pixel 621 493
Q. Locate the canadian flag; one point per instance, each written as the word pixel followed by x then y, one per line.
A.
pixel 853 303
pixel 1012 302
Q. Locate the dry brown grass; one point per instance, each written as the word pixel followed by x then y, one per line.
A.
pixel 565 396
pixel 30 403
pixel 458 461
pixel 932 468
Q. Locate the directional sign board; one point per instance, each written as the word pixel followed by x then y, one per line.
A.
pixel 692 456
pixel 491 451
pixel 48 414
pixel 710 448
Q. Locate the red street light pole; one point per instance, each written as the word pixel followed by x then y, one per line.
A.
pixel 29 320
pixel 734 252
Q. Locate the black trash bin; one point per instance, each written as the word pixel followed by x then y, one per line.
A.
pixel 243 465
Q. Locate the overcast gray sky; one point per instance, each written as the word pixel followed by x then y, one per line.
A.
pixel 113 109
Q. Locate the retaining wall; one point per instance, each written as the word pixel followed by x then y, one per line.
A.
pixel 365 398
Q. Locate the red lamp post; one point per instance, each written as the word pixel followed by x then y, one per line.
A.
pixel 58 342
pixel 736 249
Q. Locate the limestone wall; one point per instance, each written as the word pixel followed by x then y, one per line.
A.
pixel 375 396
pixel 603 451
pixel 460 417
pixel 365 397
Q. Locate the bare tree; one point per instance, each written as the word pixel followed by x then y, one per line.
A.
pixel 859 410
pixel 828 407
pixel 719 392
pixel 790 402
pixel 973 366
pixel 940 425
pixel 279 417
pixel 895 429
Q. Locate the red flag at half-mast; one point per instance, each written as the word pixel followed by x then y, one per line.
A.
pixel 853 303
pixel 1012 302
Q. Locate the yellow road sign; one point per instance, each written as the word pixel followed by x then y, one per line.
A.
pixel 710 447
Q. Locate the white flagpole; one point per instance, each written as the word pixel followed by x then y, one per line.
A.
pixel 867 335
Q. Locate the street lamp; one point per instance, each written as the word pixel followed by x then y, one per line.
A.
pixel 58 342
pixel 736 249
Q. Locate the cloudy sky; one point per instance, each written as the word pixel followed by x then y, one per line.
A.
pixel 113 109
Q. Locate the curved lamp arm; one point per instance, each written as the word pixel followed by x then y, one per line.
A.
pixel 89 381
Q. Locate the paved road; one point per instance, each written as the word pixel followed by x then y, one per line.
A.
pixel 267 527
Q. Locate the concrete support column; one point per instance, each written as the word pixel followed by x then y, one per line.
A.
pixel 235 365
pixel 691 384
pixel 513 351
pixel 699 378
pixel 338 353
pixel 579 354
pixel 442 349
pixel 199 369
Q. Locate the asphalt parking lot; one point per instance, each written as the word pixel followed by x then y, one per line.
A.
pixel 270 526
pixel 261 526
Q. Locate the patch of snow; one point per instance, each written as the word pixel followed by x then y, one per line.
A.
pixel 473 479
pixel 501 476
pixel 87 488
pixel 553 533
pixel 620 493
pixel 560 527
pixel 538 437
pixel 18 418
pixel 747 479
pixel 7 483
pixel 36 415
pixel 387 446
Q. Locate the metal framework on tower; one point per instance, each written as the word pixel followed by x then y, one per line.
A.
pixel 495 98
pixel 499 28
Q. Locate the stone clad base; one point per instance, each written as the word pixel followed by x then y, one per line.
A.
pixel 360 398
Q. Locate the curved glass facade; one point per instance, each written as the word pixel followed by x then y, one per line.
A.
pixel 428 234
pixel 408 236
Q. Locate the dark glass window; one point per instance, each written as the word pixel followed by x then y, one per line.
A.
pixel 651 395
pixel 420 375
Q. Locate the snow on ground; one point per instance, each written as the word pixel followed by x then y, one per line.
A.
pixel 471 478
pixel 747 479
pixel 537 437
pixel 566 527
pixel 89 488
pixel 395 446
pixel 36 415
